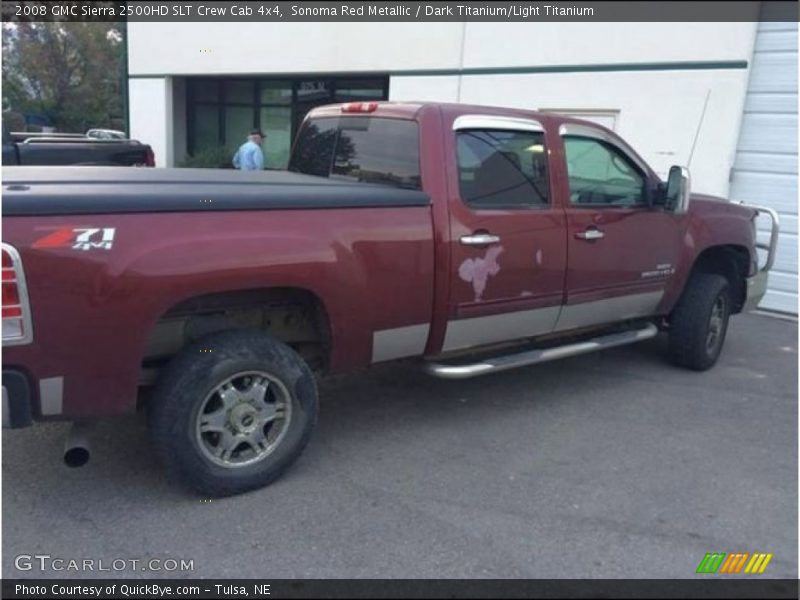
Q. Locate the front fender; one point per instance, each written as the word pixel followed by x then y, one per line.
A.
pixel 711 223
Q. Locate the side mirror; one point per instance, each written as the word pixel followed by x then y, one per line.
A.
pixel 676 194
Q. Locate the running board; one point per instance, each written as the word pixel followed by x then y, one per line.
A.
pixel 532 357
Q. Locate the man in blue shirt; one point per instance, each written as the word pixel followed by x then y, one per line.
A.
pixel 249 156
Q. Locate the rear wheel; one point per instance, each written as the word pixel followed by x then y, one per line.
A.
pixel 700 321
pixel 232 412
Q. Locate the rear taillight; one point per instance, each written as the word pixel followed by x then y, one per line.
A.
pixel 17 328
pixel 150 158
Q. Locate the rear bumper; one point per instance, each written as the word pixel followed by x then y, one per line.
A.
pixel 756 288
pixel 17 401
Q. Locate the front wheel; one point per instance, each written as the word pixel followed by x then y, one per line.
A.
pixel 232 412
pixel 700 321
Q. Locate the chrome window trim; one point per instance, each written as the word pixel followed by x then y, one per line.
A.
pixel 495 122
pixel 22 290
pixel 587 131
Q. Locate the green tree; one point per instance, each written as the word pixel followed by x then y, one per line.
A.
pixel 71 72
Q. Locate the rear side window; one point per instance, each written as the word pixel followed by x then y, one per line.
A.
pixel 502 169
pixel 368 149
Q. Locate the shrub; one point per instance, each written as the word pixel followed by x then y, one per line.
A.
pixel 14 121
pixel 218 157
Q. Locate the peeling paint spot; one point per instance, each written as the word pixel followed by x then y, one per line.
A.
pixel 526 293
pixel 539 256
pixel 478 270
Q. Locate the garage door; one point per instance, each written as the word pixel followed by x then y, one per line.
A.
pixel 765 169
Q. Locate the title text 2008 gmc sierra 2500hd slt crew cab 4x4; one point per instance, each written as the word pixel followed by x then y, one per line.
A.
pixel 475 238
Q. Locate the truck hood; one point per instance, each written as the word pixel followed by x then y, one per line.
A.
pixel 105 190
pixel 706 205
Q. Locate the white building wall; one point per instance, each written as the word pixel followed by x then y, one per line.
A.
pixel 548 44
pixel 658 111
pixel 178 120
pixel 258 48
pixel 151 116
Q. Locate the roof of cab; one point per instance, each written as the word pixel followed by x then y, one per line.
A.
pixel 410 110
pixel 451 110
pixel 406 110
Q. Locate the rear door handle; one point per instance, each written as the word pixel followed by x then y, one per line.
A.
pixel 590 235
pixel 479 239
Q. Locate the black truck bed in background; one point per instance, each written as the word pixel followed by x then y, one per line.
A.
pixel 74 150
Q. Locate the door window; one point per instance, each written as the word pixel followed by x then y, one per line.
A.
pixel 502 169
pixel 601 175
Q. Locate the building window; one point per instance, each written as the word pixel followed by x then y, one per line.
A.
pixel 276 123
pixel 222 111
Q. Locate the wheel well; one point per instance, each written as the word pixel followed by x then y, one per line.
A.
pixel 733 263
pixel 295 316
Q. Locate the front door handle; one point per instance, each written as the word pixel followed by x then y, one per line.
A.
pixel 590 235
pixel 479 239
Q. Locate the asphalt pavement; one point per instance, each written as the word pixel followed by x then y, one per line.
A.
pixel 609 465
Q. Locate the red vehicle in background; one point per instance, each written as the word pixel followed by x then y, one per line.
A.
pixel 475 239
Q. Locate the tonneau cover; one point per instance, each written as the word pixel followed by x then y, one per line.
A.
pixel 104 190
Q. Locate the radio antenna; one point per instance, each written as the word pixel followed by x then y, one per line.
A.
pixel 699 126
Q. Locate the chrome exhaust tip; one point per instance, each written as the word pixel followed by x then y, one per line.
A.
pixel 76 447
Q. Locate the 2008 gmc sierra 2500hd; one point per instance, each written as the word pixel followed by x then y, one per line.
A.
pixel 475 238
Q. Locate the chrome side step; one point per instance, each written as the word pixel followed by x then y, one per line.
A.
pixel 532 357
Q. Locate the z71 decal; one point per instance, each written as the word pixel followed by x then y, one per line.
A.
pixel 78 238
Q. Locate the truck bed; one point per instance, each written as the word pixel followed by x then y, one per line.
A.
pixel 108 190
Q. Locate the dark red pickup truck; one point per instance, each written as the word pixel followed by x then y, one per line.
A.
pixel 476 239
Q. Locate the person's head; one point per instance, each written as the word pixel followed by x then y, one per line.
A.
pixel 256 136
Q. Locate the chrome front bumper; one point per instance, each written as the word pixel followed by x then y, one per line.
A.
pixel 757 284
pixel 756 288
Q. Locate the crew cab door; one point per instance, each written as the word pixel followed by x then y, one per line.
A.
pixel 622 250
pixel 507 237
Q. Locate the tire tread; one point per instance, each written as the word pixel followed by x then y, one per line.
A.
pixel 689 321
pixel 181 383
